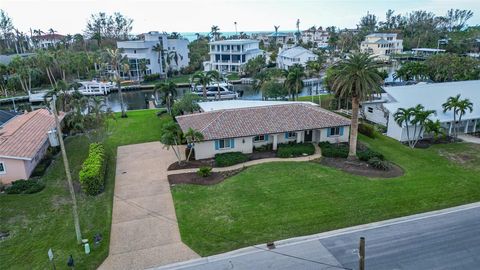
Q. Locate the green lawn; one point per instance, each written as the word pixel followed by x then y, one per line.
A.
pixel 280 200
pixel 41 221
pixel 323 99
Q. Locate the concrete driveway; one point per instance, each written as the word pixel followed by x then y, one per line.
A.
pixel 144 229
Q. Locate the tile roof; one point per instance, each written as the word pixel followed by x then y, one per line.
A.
pixel 25 134
pixel 253 121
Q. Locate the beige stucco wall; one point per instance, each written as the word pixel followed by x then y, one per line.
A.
pixel 206 149
pixel 14 170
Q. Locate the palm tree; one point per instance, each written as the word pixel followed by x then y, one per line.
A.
pixel 276 33
pixel 420 119
pixel 61 91
pixel 315 67
pixel 294 79
pixel 172 137
pixel 217 77
pixel 215 32
pixel 459 106
pixel 434 128
pixel 204 79
pixel 173 55
pixel 357 78
pixel 160 51
pixel 169 92
pixel 192 137
pixel 116 59
pixel 404 117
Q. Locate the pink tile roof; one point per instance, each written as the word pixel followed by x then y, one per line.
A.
pixel 260 120
pixel 25 134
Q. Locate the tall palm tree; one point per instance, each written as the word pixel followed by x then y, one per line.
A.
pixel 357 78
pixel 276 33
pixel 171 56
pixel 420 119
pixel 204 79
pixel 215 32
pixel 315 67
pixel 160 51
pixel 294 79
pixel 116 59
pixel 192 136
pixel 168 91
pixel 217 77
pixel 459 107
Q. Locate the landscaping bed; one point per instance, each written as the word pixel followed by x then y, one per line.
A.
pixel 426 143
pixel 361 168
pixel 194 178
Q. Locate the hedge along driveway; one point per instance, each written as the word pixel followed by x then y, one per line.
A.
pixel 275 201
pixel 44 220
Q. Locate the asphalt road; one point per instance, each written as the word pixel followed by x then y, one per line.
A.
pixel 449 239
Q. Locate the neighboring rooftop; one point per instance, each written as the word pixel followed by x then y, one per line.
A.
pixel 25 134
pixel 252 121
pixel 5 116
pixel 233 41
pixel 382 35
pixel 428 50
pixel 238 104
pixel 294 52
pixel 433 95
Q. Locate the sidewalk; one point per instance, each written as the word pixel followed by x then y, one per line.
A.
pixel 469 138
pixel 317 154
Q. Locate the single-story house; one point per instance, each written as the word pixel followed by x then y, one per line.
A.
pixel 242 129
pixel 23 143
pixel 431 96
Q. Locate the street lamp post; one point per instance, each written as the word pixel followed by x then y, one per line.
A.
pixel 67 170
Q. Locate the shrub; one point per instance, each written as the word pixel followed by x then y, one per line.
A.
pixel 229 159
pixel 204 171
pixel 151 77
pixel 22 186
pixel 334 150
pixel 367 130
pixel 93 170
pixel 295 150
pixel 368 154
pixel 263 148
pixel 379 164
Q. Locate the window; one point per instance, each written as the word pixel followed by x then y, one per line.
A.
pixel 134 51
pixel 335 131
pixel 2 168
pixel 370 109
pixel 224 144
pixel 290 135
pixel 259 138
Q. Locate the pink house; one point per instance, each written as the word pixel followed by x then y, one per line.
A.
pixel 23 143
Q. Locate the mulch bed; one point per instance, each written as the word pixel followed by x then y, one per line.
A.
pixel 426 143
pixel 211 162
pixel 195 179
pixel 361 168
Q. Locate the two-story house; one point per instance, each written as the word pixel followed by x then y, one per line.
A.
pixel 149 54
pixel 296 55
pixel 231 55
pixel 382 45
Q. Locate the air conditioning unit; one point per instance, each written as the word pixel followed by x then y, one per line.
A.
pixel 53 138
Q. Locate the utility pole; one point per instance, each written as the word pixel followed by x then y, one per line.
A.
pixel 361 254
pixel 67 171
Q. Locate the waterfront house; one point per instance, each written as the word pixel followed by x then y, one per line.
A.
pixel 47 40
pixel 23 143
pixel 231 55
pixel 294 56
pixel 431 96
pixel 382 45
pixel 143 50
pixel 241 129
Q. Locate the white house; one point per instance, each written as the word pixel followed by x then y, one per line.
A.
pixel 318 36
pixel 296 55
pixel 431 96
pixel 144 50
pixel 242 129
pixel 382 45
pixel 47 40
pixel 231 55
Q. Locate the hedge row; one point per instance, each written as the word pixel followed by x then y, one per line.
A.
pixel 295 150
pixel 24 187
pixel 334 150
pixel 229 159
pixel 93 170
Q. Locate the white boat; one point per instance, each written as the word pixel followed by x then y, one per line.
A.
pixel 94 88
pixel 226 91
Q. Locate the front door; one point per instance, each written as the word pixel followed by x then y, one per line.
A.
pixel 308 135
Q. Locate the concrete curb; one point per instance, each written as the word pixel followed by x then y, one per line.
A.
pixel 301 239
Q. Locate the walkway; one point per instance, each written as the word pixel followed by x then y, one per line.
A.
pixel 317 154
pixel 144 229
pixel 469 138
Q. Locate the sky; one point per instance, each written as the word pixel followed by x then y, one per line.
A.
pixel 70 16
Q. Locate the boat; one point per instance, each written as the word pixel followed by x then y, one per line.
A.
pixel 226 91
pixel 94 88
